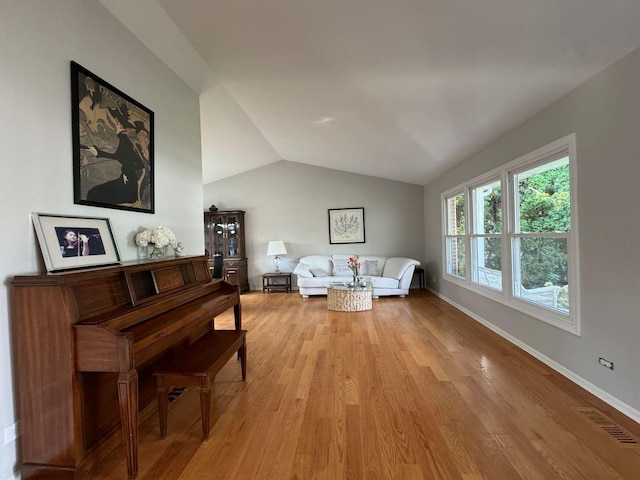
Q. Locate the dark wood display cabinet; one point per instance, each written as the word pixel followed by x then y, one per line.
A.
pixel 224 239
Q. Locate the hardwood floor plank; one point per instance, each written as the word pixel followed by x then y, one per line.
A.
pixel 413 389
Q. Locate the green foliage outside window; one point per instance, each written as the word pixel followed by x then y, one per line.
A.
pixel 545 201
pixel 493 224
pixel 460 219
pixel 460 230
pixel 544 207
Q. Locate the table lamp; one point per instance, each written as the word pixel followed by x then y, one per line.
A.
pixel 276 247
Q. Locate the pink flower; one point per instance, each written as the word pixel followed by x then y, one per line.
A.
pixel 354 264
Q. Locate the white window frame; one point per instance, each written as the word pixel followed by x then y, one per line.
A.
pixel 567 321
pixel 453 237
pixel 474 222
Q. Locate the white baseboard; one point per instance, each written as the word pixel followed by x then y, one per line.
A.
pixel 591 388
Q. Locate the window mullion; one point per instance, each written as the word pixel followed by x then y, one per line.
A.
pixel 469 217
pixel 506 229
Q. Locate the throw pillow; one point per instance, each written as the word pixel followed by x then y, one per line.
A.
pixel 318 272
pixel 340 268
pixel 370 267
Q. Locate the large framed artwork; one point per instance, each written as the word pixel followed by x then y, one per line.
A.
pixel 346 225
pixel 70 242
pixel 112 145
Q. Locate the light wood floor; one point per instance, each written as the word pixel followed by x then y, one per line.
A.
pixel 413 390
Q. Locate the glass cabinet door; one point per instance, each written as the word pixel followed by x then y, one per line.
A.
pixel 208 229
pixel 233 237
pixel 218 236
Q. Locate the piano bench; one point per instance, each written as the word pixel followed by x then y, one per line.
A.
pixel 196 365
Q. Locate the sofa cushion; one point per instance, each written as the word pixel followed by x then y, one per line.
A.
pixel 318 272
pixel 315 282
pixel 383 282
pixel 341 268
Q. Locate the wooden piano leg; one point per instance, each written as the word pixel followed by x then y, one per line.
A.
pixel 128 399
pixel 162 396
pixel 242 353
pixel 237 313
pixel 205 404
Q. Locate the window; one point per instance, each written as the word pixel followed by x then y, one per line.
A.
pixel 511 235
pixel 455 235
pixel 541 228
pixel 486 234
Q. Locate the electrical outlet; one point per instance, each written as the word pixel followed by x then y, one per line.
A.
pixel 605 363
pixel 11 433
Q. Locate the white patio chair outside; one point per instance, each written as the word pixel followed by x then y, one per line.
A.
pixel 547 296
pixel 490 277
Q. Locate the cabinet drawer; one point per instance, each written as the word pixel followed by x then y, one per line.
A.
pixel 235 263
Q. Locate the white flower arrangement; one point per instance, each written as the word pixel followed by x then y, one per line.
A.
pixel 160 237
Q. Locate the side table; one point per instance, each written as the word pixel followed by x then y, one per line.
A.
pixel 279 282
pixel 419 271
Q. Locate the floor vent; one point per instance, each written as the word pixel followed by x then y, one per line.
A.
pixel 175 393
pixel 619 434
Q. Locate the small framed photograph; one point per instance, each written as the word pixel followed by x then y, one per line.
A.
pixel 70 242
pixel 346 225
pixel 112 145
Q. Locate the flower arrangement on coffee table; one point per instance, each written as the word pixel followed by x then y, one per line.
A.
pixel 354 265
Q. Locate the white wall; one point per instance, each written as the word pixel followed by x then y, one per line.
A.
pixel 290 201
pixel 605 115
pixel 37 41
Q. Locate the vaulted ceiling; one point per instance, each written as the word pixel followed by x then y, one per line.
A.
pixel 397 89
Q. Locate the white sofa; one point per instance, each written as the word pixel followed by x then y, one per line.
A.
pixel 389 275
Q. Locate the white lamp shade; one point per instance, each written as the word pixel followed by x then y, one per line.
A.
pixel 276 247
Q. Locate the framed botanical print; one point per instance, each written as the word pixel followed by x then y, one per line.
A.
pixel 346 225
pixel 112 145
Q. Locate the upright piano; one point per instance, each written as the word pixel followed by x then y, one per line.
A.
pixel 86 343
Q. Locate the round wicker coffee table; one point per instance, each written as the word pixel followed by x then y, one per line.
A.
pixel 345 298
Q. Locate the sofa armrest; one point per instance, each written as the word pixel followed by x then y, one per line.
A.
pixel 396 267
pixel 407 277
pixel 303 270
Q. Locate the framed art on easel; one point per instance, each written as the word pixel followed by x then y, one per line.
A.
pixel 112 145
